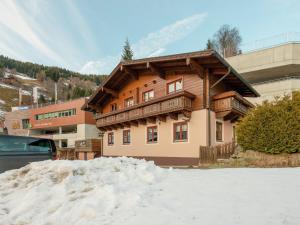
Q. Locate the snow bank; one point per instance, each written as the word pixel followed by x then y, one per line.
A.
pixel 124 191
pixel 76 192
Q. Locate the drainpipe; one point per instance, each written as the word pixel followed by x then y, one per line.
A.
pixel 207 106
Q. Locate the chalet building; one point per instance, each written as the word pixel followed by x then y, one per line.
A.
pixel 165 108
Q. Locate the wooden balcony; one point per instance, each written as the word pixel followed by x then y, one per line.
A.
pixel 172 105
pixel 230 105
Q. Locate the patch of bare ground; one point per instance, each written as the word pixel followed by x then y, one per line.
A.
pixel 256 159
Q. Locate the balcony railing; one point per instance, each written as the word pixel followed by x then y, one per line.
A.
pixel 178 102
pixel 230 102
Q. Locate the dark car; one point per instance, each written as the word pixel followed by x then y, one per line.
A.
pixel 18 151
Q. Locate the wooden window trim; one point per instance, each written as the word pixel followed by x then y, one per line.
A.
pixel 152 128
pixel 174 81
pixel 222 133
pixel 143 95
pixel 174 132
pixel 128 141
pixel 110 136
pixel 113 105
pixel 126 99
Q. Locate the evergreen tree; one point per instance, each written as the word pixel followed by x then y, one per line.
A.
pixel 2 72
pixel 127 51
pixel 209 44
pixel 41 99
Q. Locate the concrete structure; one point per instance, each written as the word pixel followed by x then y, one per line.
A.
pixel 165 108
pixel 63 122
pixel 272 71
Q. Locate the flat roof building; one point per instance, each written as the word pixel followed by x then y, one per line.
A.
pixel 63 122
pixel 272 71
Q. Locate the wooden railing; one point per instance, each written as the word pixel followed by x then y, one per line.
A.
pixel 228 104
pixel 168 104
pixel 66 154
pixel 213 153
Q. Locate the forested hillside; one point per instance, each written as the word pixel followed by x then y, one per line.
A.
pixel 15 75
pixel 54 73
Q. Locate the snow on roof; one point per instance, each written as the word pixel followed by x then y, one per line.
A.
pixel 18 75
pixel 23 76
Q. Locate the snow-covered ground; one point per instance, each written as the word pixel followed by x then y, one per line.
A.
pixel 23 76
pixel 24 92
pixel 124 191
pixel 18 75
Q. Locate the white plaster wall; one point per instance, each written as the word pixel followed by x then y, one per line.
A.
pixel 165 146
pixel 227 130
pixel 84 131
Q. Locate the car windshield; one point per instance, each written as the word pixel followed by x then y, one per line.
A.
pixel 21 144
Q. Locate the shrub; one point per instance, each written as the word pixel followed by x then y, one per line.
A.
pixel 273 127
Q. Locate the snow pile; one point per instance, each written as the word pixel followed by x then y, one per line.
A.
pixel 124 191
pixel 76 192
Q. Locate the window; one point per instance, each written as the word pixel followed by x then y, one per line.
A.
pixel 180 131
pixel 25 123
pixel 152 134
pixel 219 131
pixel 148 95
pixel 128 102
pixel 69 112
pixel 174 86
pixel 64 143
pixel 24 144
pixel 110 137
pixel 126 136
pixel 113 107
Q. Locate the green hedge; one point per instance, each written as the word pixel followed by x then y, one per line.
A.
pixel 273 127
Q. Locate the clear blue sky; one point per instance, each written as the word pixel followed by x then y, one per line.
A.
pixel 88 35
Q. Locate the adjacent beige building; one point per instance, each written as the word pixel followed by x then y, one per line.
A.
pixel 272 71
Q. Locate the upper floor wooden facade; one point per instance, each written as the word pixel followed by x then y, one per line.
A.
pixel 140 91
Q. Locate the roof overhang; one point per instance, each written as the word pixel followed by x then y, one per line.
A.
pixel 193 63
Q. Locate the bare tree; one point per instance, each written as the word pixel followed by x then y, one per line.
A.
pixel 227 41
pixel 41 76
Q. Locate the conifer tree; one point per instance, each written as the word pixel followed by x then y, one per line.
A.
pixel 127 51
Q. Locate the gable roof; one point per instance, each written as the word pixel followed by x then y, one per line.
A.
pixel 126 70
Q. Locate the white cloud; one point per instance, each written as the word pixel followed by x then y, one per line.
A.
pixel 101 66
pixel 153 44
pixel 11 17
pixel 81 24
